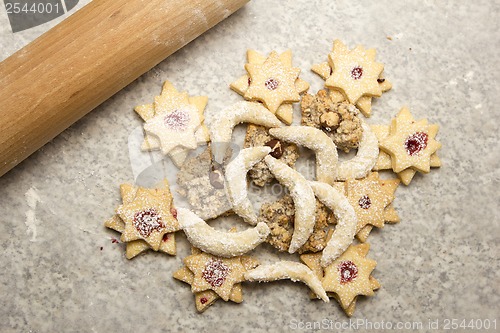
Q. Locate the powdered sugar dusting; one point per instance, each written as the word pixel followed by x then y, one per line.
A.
pixel 147 221
pixel 216 272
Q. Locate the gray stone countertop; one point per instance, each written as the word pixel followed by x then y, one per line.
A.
pixel 441 262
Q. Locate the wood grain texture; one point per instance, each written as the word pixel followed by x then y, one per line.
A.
pixel 87 58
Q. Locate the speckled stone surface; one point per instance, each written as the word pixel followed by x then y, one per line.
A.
pixel 440 262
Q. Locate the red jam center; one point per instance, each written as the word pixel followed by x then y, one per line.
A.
pixel 165 237
pixel 215 272
pixel 147 221
pixel 173 211
pixel 357 73
pixel 348 271
pixel 177 120
pixel 415 143
pixel 365 202
pixel 271 84
pixel 203 300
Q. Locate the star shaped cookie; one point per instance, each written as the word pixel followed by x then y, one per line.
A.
pixel 204 299
pixel 325 71
pixel 285 111
pixel 170 100
pixel 136 247
pixel 313 261
pixel 370 198
pixel 384 161
pixel 410 143
pixel 215 273
pixel 350 276
pixel 149 216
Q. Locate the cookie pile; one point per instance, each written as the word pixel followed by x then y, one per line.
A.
pixel 326 220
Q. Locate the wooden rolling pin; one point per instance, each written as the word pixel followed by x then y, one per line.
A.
pixel 68 71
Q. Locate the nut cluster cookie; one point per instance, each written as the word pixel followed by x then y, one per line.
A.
pixel 279 216
pixel 286 152
pixel 338 120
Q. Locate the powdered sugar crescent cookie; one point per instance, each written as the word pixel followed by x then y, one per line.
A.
pixel 222 126
pixel 316 140
pixel 303 198
pixel 219 243
pixel 365 159
pixel 288 270
pixel 236 180
pixel 346 221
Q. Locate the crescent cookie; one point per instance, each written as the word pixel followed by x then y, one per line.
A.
pixel 288 270
pixel 236 180
pixel 219 243
pixel 365 159
pixel 303 198
pixel 221 128
pixel 319 142
pixel 346 221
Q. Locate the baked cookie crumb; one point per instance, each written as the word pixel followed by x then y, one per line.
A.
pixel 338 120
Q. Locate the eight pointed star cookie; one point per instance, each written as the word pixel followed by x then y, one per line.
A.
pixel 272 82
pixel 169 101
pixel 350 275
pixel 384 161
pixel 313 261
pixel 149 216
pixel 410 143
pixel 370 197
pixel 285 110
pixel 215 273
pixel 134 248
pixel 204 299
pixel 325 70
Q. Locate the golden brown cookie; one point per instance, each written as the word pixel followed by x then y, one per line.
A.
pixel 149 216
pixel 325 70
pixel 134 248
pixel 410 143
pixel 204 299
pixel 370 198
pixel 285 110
pixel 171 101
pixel 215 273
pixel 350 276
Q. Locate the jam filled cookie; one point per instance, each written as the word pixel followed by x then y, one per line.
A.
pixel 134 248
pixel 371 198
pixel 410 143
pixel 325 70
pixel 350 276
pixel 204 299
pixel 285 111
pixel 168 102
pixel 149 216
